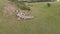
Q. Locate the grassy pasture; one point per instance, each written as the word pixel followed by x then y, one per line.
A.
pixel 46 20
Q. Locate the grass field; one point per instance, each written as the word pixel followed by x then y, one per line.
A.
pixel 46 20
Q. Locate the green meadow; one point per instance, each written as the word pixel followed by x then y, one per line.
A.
pixel 46 20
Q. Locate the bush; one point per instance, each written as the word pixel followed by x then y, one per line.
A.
pixel 48 4
pixel 21 5
pixel 13 0
pixel 24 7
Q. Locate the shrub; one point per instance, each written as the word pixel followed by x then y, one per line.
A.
pixel 25 8
pixel 21 5
pixel 12 0
pixel 48 4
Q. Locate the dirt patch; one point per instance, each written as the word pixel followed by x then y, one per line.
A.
pixel 9 13
pixel 9 9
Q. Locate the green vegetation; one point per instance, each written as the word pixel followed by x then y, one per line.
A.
pixel 46 20
pixel 21 5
